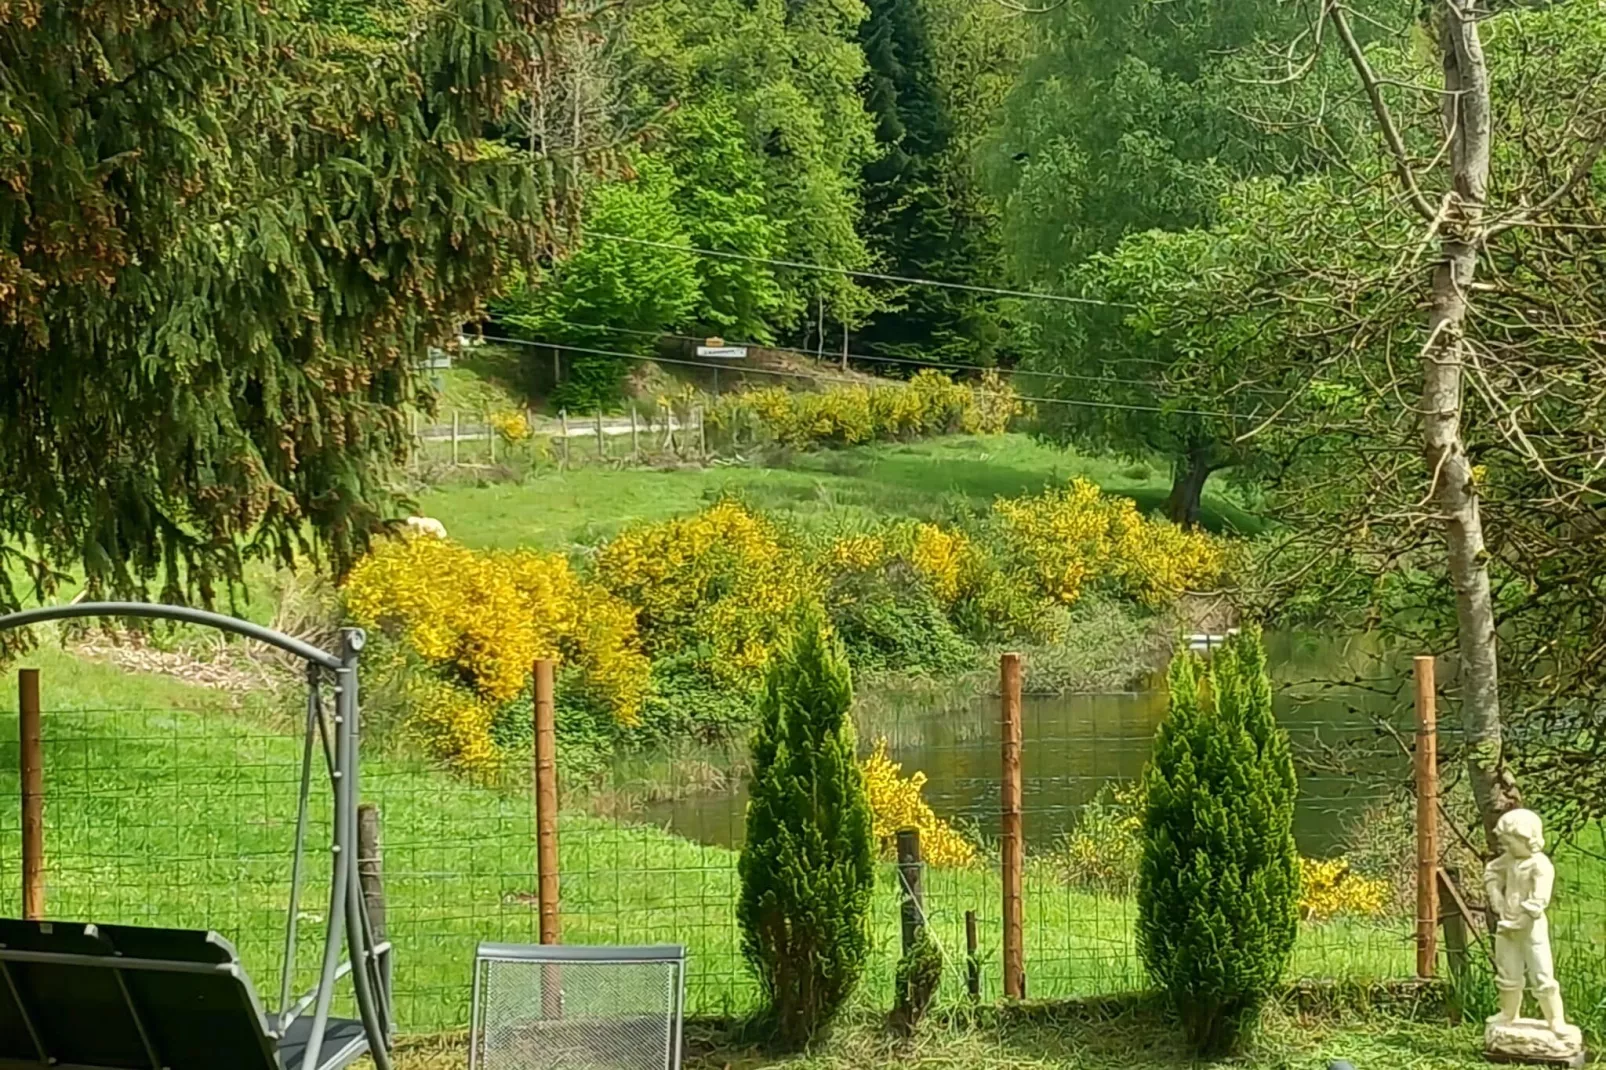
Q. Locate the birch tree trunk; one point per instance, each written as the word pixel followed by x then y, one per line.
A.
pixel 1453 493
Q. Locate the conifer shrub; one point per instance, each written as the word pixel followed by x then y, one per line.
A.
pixel 807 866
pixel 1218 883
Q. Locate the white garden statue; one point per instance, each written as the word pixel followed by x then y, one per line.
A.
pixel 1519 883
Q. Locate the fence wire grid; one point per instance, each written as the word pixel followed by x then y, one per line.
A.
pixel 181 818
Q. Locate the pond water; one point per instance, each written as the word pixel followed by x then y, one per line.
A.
pixel 1331 695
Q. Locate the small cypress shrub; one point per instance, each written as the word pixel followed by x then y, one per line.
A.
pixel 1218 884
pixel 807 866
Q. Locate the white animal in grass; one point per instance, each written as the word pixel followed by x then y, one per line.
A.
pixel 426 525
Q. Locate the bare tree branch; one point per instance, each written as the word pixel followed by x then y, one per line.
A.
pixel 1385 118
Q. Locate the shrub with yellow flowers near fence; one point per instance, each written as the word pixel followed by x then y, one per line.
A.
pixel 897 802
pixel 481 620
pixel 1329 888
pixel 511 425
pixel 930 403
pixel 720 580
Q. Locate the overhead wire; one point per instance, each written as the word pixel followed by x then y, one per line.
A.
pixel 817 377
pixel 869 358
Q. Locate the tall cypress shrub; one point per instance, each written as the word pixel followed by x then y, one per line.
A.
pixel 1218 885
pixel 807 867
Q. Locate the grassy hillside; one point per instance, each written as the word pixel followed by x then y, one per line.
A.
pixel 919 479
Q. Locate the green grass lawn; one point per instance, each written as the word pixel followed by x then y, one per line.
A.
pixel 919 479
pixel 1101 1035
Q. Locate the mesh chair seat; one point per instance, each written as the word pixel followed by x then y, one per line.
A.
pixel 116 997
pixel 568 1007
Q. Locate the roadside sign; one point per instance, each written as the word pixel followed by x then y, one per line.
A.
pixel 724 352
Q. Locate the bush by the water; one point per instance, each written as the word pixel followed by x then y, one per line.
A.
pixel 807 866
pixel 1218 883
pixel 928 404
pixel 667 630
pixel 898 802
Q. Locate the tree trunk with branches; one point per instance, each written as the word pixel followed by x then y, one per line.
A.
pixel 1458 224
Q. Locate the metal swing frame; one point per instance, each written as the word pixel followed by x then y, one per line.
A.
pixel 349 947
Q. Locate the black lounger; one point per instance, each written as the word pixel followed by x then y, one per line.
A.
pixel 115 997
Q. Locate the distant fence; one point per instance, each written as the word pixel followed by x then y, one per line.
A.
pixel 187 818
pixel 474 439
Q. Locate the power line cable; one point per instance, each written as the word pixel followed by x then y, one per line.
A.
pixel 868 358
pixel 815 377
pixel 907 280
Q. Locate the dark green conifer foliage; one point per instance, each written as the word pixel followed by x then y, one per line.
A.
pixel 920 213
pixel 225 246
pixel 1218 886
pixel 807 866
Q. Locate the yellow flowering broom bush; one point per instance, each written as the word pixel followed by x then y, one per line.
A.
pixel 930 403
pixel 512 426
pixel 897 802
pixel 482 619
pixel 1329 888
pixel 1074 536
pixel 720 579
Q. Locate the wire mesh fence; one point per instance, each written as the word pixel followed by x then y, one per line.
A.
pixel 186 818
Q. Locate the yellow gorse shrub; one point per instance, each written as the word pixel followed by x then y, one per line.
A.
pixel 1330 889
pixel 720 578
pixel 929 403
pixel 483 618
pixel 452 724
pixel 1073 535
pixel 855 553
pixel 943 559
pixel 897 802
pixel 512 426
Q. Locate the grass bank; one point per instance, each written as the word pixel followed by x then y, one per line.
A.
pixel 925 480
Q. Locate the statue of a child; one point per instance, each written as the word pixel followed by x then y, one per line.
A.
pixel 1519 884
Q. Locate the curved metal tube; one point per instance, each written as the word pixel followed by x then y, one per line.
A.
pixel 347 914
pixel 182 614
pixel 370 1005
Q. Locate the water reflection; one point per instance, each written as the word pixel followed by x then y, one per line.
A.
pixel 1330 695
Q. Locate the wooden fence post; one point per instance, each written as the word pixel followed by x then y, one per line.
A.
pixel 972 957
pixel 635 437
pixel 546 832
pixel 1013 847
pixel 913 896
pixel 490 436
pixel 1456 918
pixel 32 752
pixel 370 868
pixel 546 802
pixel 702 433
pixel 563 429
pixel 602 449
pixel 1427 823
pixel 454 438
